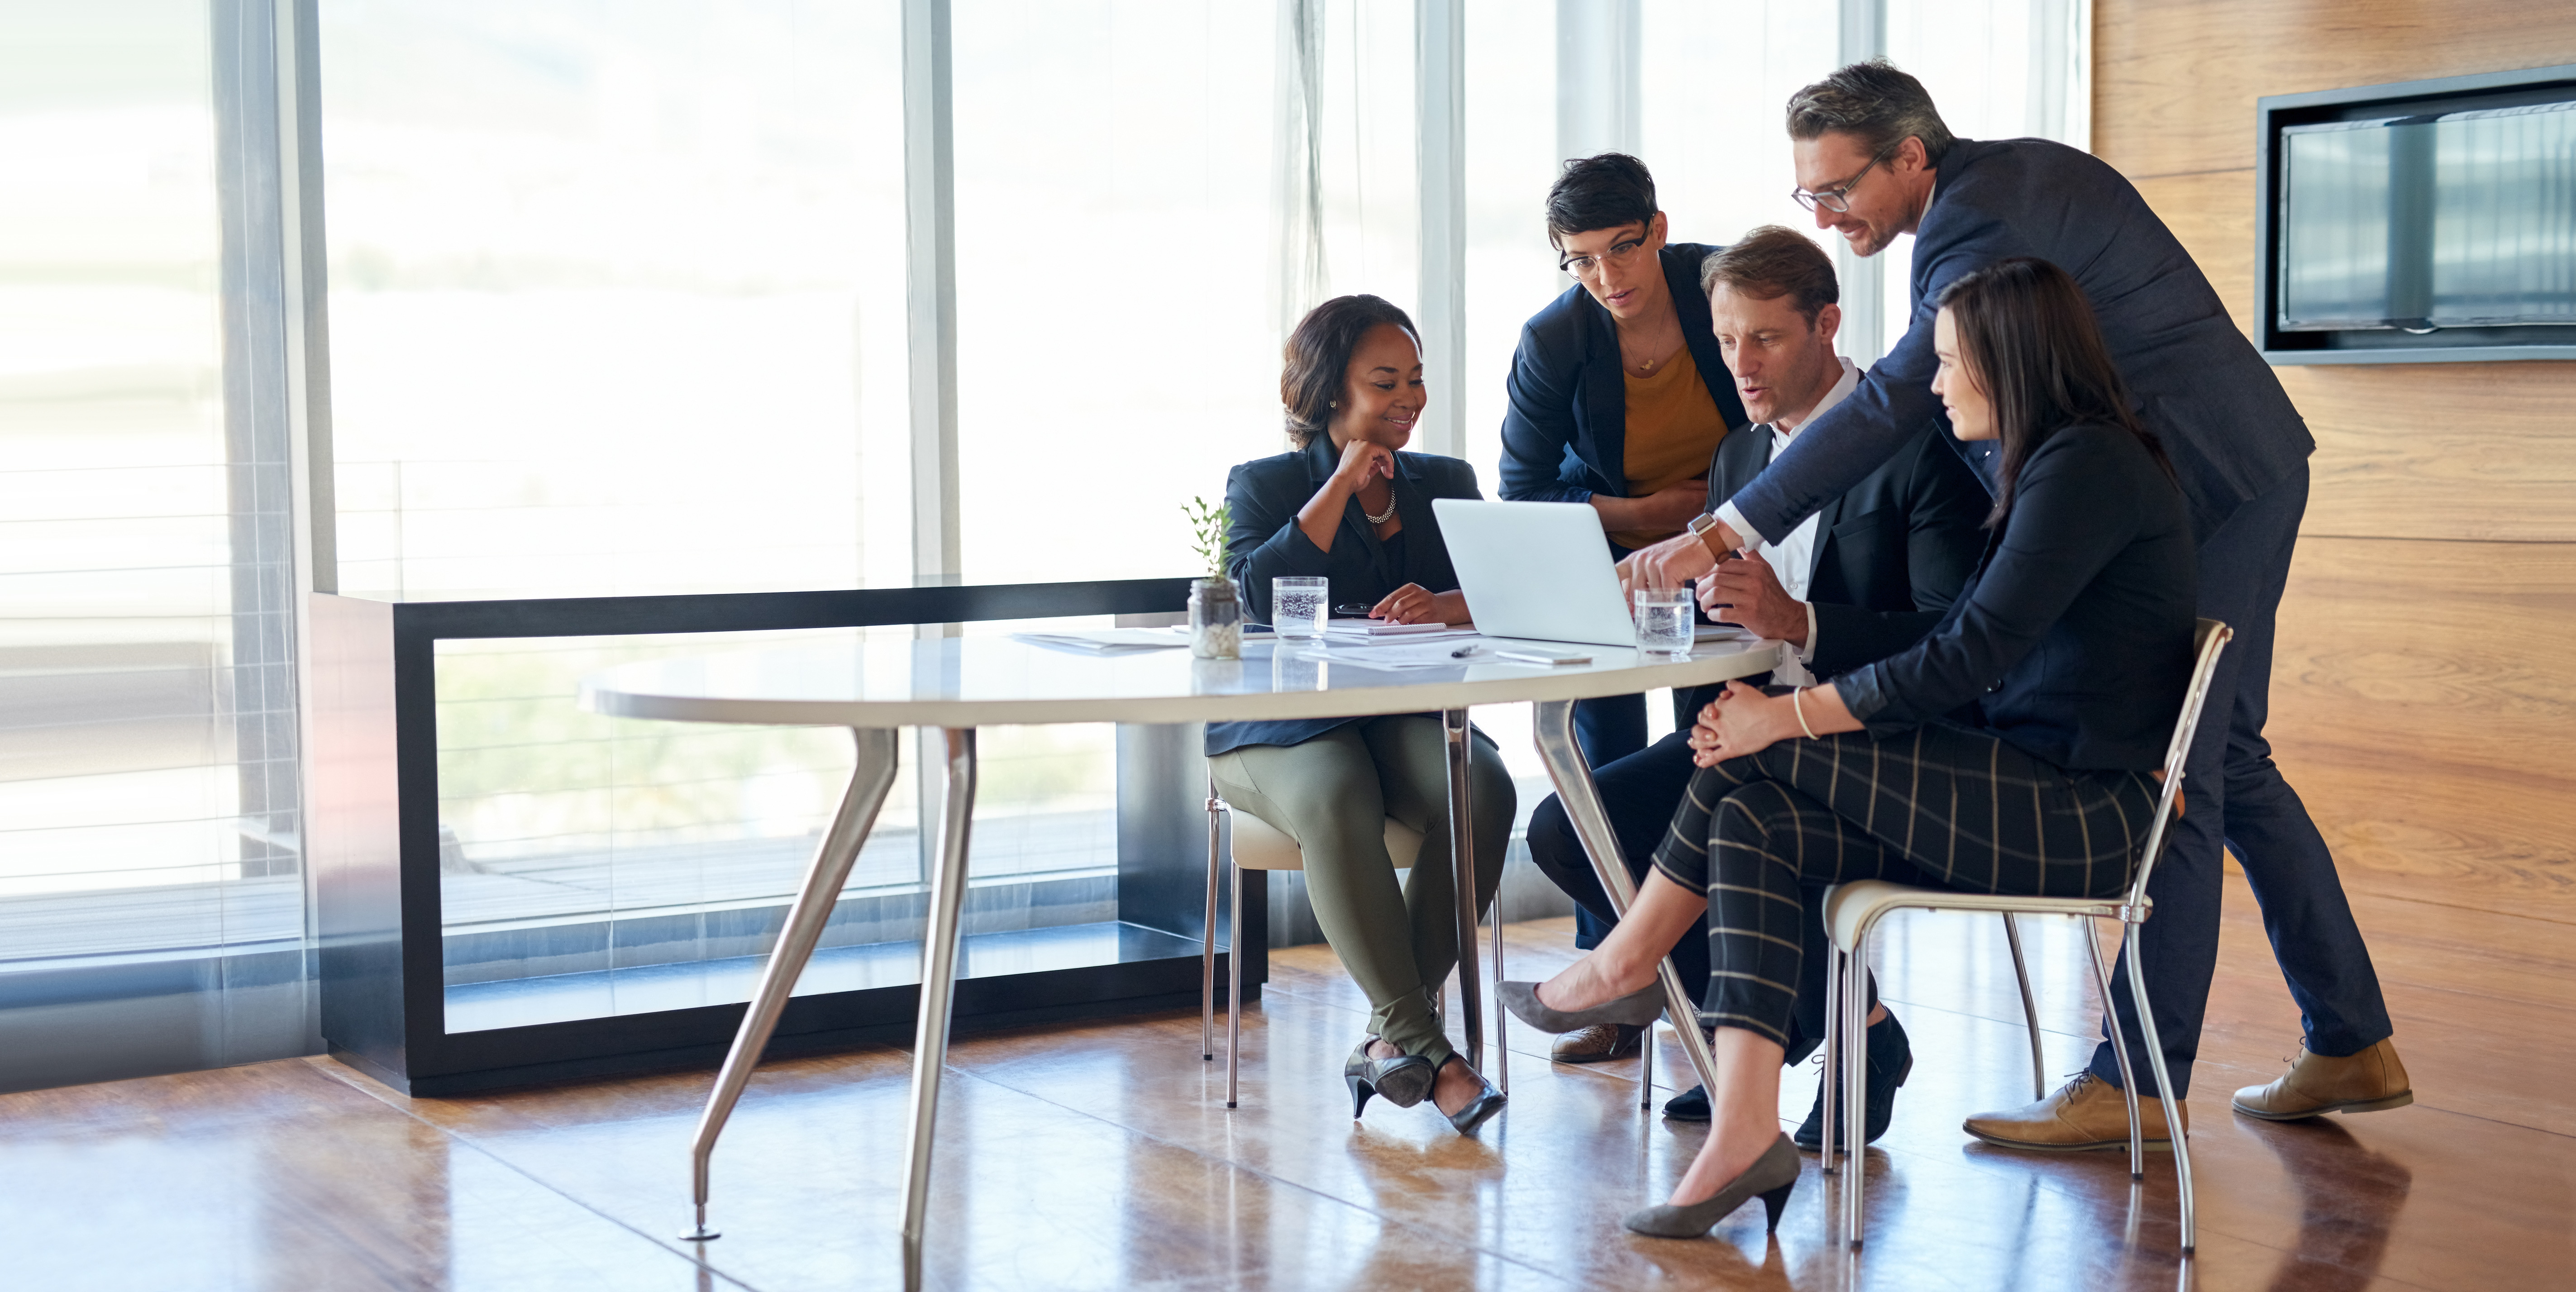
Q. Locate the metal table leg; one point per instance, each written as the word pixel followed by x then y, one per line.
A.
pixel 938 981
pixel 805 919
pixel 1462 861
pixel 1554 723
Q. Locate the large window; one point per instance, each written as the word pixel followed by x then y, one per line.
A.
pixel 618 301
pixel 617 295
pixel 1115 348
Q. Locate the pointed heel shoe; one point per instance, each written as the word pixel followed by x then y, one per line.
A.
pixel 1636 1009
pixel 1481 1109
pixel 1403 1080
pixel 1771 1177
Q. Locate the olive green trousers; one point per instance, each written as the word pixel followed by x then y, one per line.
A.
pixel 1333 794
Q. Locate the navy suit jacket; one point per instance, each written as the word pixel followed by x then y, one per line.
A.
pixel 1565 432
pixel 2201 386
pixel 1263 542
pixel 1891 552
pixel 2073 637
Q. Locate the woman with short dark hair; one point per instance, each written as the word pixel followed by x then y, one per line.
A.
pixel 1348 505
pixel 2067 651
pixel 1617 394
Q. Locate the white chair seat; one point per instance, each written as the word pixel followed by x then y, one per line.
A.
pixel 1259 845
pixel 1852 907
pixel 1851 915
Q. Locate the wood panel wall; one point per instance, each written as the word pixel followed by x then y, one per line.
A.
pixel 2424 688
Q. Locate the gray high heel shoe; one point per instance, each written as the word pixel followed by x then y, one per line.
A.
pixel 1772 1175
pixel 1636 1009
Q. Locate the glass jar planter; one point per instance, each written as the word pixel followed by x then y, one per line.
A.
pixel 1216 620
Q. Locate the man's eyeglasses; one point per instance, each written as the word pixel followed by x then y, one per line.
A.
pixel 1837 197
pixel 1620 253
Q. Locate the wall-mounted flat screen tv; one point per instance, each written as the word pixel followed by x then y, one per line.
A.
pixel 2425 221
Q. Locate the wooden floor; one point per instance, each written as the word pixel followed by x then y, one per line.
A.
pixel 1102 1157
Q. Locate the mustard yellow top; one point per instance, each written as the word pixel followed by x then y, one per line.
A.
pixel 1673 429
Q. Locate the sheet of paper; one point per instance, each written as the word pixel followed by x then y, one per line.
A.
pixel 1379 630
pixel 1120 641
pixel 1457 651
pixel 1374 641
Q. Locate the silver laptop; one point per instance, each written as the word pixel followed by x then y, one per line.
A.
pixel 1540 570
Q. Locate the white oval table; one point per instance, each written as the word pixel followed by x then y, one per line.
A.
pixel 960 684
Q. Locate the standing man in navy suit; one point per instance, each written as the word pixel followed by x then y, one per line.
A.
pixel 1874 160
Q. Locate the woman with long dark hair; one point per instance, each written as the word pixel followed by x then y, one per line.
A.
pixel 1348 505
pixel 2014 750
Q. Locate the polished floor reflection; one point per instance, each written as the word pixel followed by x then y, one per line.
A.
pixel 1102 1156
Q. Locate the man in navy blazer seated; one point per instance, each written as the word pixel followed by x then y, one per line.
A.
pixel 1874 161
pixel 1862 579
pixel 1617 392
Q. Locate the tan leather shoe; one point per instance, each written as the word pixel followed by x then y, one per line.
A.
pixel 1599 1043
pixel 2085 1113
pixel 2317 1084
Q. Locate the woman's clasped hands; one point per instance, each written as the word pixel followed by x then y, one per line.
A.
pixel 1735 724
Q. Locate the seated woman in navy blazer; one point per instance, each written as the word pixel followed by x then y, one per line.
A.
pixel 2014 750
pixel 1348 506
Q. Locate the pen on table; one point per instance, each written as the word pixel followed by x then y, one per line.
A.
pixel 1462 652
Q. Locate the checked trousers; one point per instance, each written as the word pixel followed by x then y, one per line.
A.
pixel 1762 836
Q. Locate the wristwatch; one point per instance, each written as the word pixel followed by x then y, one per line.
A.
pixel 1703 525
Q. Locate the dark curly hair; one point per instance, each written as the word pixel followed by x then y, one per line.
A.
pixel 1318 355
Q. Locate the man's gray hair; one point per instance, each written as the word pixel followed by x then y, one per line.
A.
pixel 1875 104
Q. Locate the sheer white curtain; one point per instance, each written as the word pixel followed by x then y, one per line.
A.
pixel 1998 69
pixel 151 901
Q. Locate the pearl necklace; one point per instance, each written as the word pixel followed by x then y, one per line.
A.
pixel 1390 510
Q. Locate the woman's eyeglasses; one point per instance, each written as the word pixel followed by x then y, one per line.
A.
pixel 1620 253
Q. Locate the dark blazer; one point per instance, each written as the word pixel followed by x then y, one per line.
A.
pixel 1891 552
pixel 2222 415
pixel 1263 542
pixel 1565 432
pixel 2073 637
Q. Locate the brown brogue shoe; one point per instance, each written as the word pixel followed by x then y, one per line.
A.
pixel 2085 1113
pixel 2317 1084
pixel 1599 1043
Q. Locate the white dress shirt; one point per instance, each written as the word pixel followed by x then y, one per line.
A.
pixel 1793 558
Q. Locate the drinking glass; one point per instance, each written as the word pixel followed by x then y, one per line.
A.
pixel 1664 620
pixel 1297 606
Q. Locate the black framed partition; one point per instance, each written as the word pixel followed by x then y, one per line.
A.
pixel 401 995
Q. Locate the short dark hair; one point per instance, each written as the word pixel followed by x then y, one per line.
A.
pixel 1604 192
pixel 1771 262
pixel 2029 340
pixel 1874 103
pixel 1318 356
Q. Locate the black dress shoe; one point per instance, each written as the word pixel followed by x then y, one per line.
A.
pixel 1689 1106
pixel 1891 1060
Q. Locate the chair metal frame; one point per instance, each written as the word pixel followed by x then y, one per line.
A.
pixel 1852 913
pixel 1221 855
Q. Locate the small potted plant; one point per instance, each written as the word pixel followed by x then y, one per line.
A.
pixel 1216 612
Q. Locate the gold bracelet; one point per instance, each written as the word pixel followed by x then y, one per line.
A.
pixel 1796 697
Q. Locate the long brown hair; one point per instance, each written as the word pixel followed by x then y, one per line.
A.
pixel 2029 340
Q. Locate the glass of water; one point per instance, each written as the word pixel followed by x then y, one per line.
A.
pixel 1297 607
pixel 1664 620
